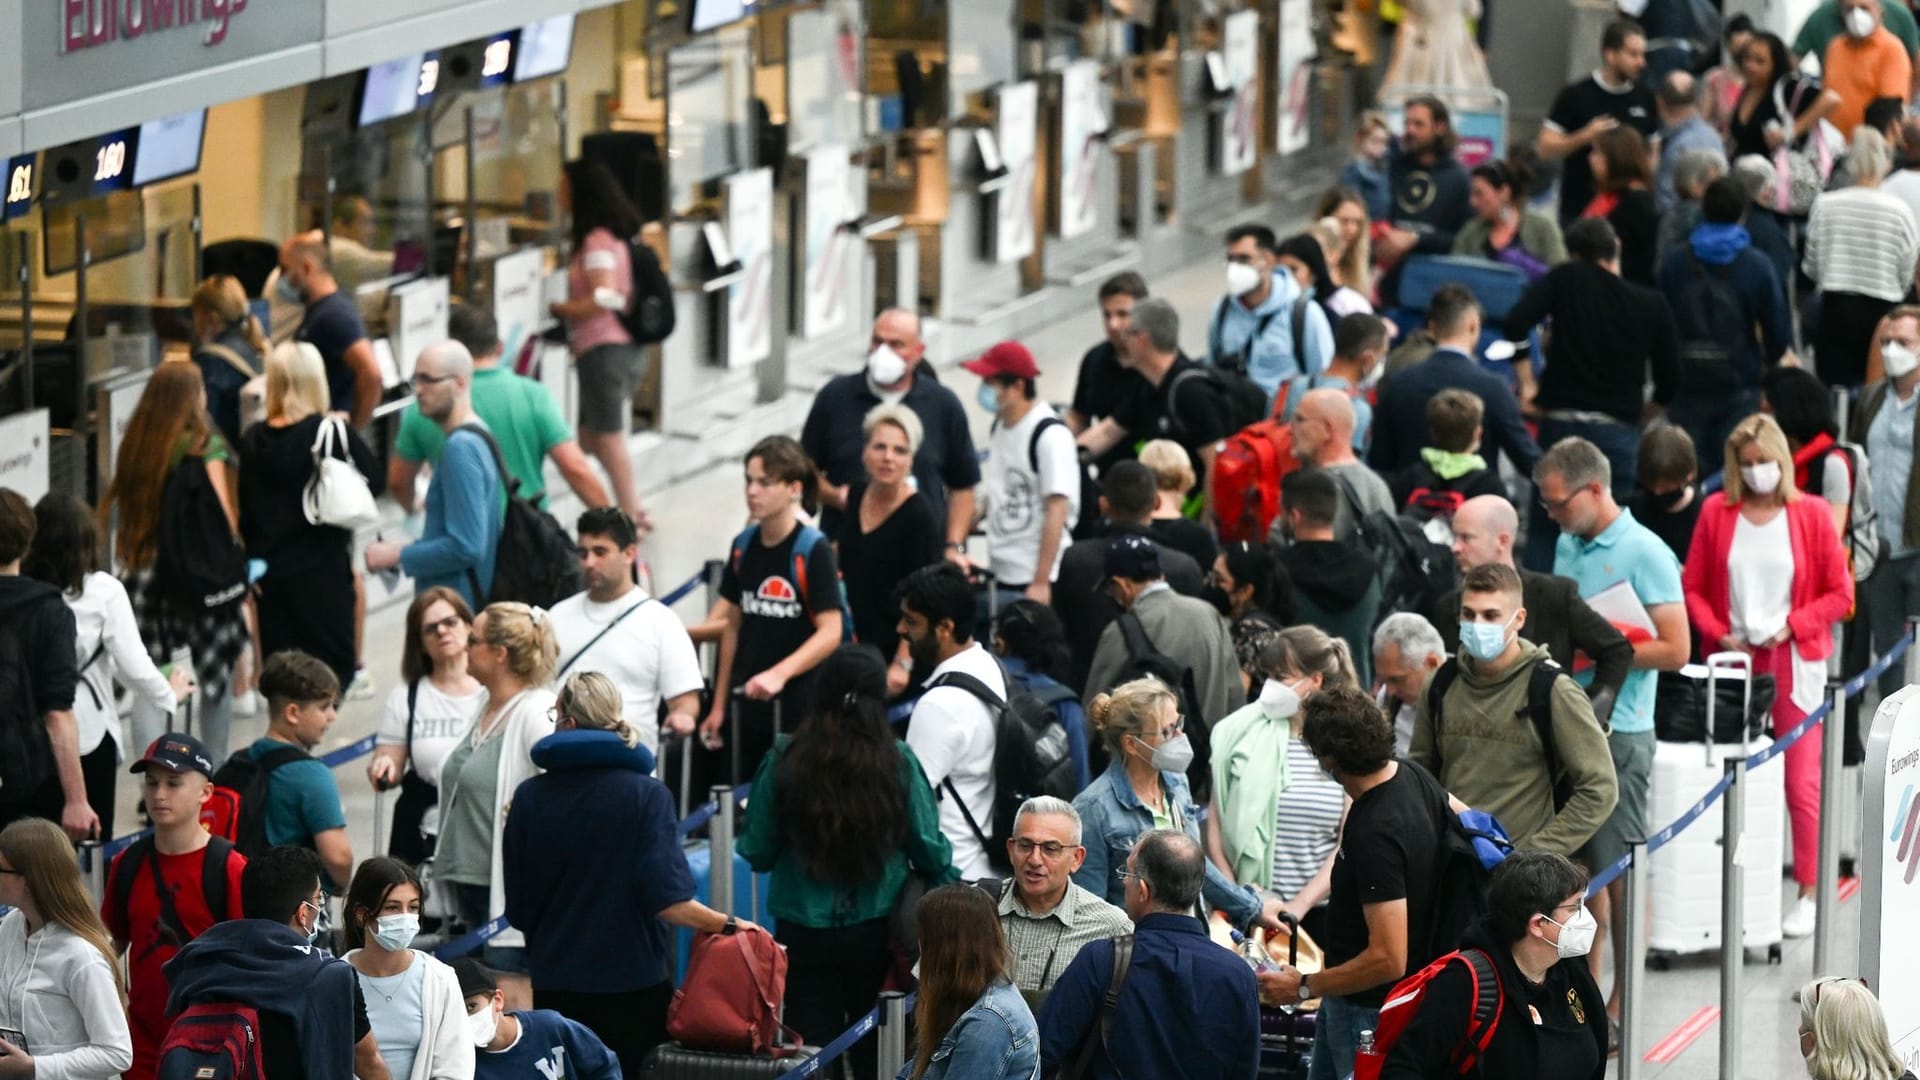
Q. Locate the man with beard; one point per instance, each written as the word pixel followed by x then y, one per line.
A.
pixel 615 628
pixel 1336 586
pixel 1429 187
pixel 1613 95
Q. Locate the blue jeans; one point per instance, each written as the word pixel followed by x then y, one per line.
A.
pixel 1619 442
pixel 1337 1035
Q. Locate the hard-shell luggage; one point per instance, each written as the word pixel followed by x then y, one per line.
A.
pixel 1286 1035
pixel 751 895
pixel 671 1061
pixel 1686 872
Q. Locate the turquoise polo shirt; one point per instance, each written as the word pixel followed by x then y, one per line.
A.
pixel 1624 551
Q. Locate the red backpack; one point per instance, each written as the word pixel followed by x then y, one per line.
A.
pixel 218 1041
pixel 730 1002
pixel 1247 473
pixel 1409 994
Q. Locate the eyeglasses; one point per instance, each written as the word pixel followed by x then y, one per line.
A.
pixel 1131 875
pixel 1817 984
pixel 1554 506
pixel 433 629
pixel 1050 850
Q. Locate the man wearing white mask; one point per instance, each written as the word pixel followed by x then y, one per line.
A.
pixel 1864 63
pixel 945 468
pixel 1264 324
pixel 1888 425
pixel 514 1045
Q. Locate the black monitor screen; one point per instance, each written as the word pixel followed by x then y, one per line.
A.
pixel 544 49
pixel 391 89
pixel 169 147
pixel 116 226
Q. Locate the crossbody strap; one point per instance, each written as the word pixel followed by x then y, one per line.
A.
pixel 1109 1006
pixel 232 358
pixel 604 631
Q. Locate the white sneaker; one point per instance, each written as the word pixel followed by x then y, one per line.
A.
pixel 1800 919
pixel 246 706
pixel 361 688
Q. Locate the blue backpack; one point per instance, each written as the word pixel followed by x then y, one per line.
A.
pixel 804 543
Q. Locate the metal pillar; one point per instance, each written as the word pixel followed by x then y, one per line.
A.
pixel 1913 654
pixel 1633 954
pixel 720 852
pixel 1733 951
pixel 892 1034
pixel 1826 930
pixel 94 866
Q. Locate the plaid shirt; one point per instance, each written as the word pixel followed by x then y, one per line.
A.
pixel 216 638
pixel 1043 945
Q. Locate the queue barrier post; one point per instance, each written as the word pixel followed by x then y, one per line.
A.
pixel 720 852
pixel 1633 954
pixel 893 1032
pixel 1826 946
pixel 1913 654
pixel 711 572
pixel 380 835
pixel 94 862
pixel 1733 951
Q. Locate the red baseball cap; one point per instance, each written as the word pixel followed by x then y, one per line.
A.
pixel 1009 358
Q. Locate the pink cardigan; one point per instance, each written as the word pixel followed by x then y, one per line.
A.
pixel 1822 583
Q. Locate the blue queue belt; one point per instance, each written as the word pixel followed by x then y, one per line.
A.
pixel 832 1051
pixel 1851 688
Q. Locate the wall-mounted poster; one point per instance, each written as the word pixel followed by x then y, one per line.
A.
pixel 1291 126
pixel 825 278
pixel 1016 128
pixel 1082 123
pixel 749 197
pixel 1240 57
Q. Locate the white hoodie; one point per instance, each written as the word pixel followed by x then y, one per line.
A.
pixel 58 991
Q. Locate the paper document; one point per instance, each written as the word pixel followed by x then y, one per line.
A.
pixel 1621 606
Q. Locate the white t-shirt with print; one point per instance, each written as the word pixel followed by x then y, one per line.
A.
pixel 440 721
pixel 1017 494
pixel 648 655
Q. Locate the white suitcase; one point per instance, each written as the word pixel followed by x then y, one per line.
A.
pixel 1686 872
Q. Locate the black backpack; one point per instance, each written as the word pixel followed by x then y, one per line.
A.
pixel 1539 710
pixel 649 317
pixel 1241 399
pixel 198 563
pixel 251 779
pixel 1144 659
pixel 1414 571
pixel 213 884
pixel 1031 756
pixel 537 562
pixel 1711 327
pixel 26 754
pixel 1459 877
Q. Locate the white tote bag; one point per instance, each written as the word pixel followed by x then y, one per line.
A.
pixel 337 495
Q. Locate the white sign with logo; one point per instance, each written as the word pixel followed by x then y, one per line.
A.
pixel 516 300
pixel 1016 129
pixel 416 318
pixel 749 200
pixel 1082 122
pixel 1240 59
pixel 1291 121
pixel 1890 883
pixel 25 456
pixel 826 280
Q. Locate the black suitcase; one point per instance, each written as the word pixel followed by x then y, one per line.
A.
pixel 671 1061
pixel 1286 1035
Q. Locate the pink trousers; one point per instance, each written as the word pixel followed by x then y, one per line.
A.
pixel 1802 762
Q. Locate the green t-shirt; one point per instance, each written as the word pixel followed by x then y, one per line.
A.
pixel 216 449
pixel 1824 25
pixel 471 774
pixel 522 415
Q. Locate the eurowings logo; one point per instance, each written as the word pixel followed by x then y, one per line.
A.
pixel 1906 833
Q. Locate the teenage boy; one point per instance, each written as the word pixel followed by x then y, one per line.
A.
pixel 536 1044
pixel 168 888
pixel 303 803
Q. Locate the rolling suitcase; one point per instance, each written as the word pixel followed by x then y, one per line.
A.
pixel 1286 1035
pixel 671 1061
pixel 751 894
pixel 1686 872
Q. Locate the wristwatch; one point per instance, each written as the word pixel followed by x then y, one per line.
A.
pixel 732 926
pixel 1305 994
pixel 960 546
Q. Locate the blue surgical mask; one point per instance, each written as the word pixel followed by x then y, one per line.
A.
pixel 288 291
pixel 1484 641
pixel 313 935
pixel 989 398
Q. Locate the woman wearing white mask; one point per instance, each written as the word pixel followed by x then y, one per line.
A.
pixel 1535 937
pixel 1275 817
pixel 1766 576
pixel 1145 788
pixel 413 1000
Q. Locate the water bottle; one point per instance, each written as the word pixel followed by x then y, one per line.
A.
pixel 1366 1060
pixel 1253 953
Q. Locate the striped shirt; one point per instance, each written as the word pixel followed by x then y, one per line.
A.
pixel 1306 821
pixel 1043 945
pixel 1862 241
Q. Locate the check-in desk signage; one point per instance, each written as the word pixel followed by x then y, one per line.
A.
pixel 76 49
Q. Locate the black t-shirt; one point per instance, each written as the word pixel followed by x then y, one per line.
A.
pixel 280 1041
pixel 1388 849
pixel 1578 105
pixel 1104 385
pixel 39 670
pixel 877 561
pixel 332 325
pixel 776 610
pixel 1197 418
pixel 1191 537
pixel 1798 92
pixel 1674 528
pixel 834 439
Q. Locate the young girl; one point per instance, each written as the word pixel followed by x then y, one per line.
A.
pixel 65 1011
pixel 1367 172
pixel 780 608
pixel 413 1000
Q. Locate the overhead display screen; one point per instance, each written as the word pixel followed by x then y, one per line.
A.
pixel 391 89
pixel 20 181
pixel 712 14
pixel 169 147
pixel 544 49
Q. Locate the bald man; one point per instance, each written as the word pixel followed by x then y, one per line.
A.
pixel 1323 436
pixel 1573 633
pixel 331 323
pixel 465 504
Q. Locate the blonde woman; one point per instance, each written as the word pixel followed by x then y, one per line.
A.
pixel 228 346
pixel 305 600
pixel 595 875
pixel 513 653
pixel 1843 1033
pixel 1350 260
pixel 1765 575
pixel 1145 788
pixel 1173 477
pixel 889 530
pixel 64 1001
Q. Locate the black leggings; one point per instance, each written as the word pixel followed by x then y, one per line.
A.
pixel 99 770
pixel 833 978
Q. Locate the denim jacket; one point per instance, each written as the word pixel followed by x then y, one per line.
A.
pixel 997 1039
pixel 1112 818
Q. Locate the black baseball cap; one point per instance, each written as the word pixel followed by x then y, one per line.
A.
pixel 474 977
pixel 1133 557
pixel 176 752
